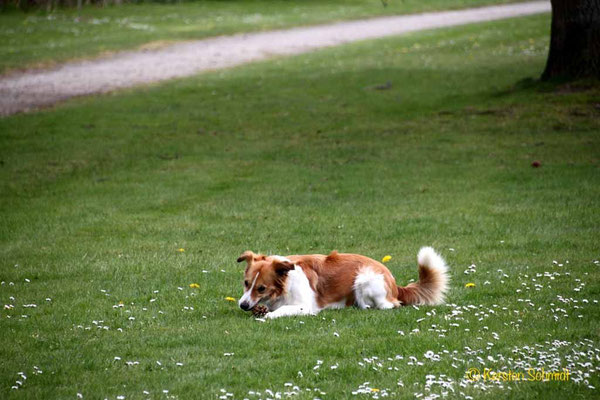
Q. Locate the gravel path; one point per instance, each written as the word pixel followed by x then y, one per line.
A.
pixel 43 88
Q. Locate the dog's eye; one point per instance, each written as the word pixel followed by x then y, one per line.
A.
pixel 246 283
pixel 261 289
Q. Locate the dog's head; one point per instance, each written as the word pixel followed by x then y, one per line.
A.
pixel 264 279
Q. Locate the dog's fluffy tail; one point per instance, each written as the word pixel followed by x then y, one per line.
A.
pixel 433 281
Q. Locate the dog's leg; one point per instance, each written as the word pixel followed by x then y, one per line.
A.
pixel 370 291
pixel 384 304
pixel 287 311
pixel 360 302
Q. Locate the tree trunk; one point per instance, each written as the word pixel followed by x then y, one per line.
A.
pixel 575 40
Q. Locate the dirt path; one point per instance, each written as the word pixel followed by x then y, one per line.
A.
pixel 31 90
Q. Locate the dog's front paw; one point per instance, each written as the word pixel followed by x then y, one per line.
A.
pixel 271 315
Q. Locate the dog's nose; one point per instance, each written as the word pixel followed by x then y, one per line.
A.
pixel 245 306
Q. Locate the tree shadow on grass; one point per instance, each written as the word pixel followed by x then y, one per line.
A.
pixel 581 97
pixel 556 86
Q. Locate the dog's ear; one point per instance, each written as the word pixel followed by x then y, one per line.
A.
pixel 283 267
pixel 247 256
pixel 250 257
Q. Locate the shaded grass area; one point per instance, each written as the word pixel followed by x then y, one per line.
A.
pixel 306 155
pixel 38 39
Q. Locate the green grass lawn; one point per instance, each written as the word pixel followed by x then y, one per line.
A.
pixel 38 39
pixel 304 155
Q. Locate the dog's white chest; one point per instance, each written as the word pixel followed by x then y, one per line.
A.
pixel 299 292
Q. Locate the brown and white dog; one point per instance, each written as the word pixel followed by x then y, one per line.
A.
pixel 307 284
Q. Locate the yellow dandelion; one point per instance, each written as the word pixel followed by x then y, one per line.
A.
pixel 229 298
pixel 470 284
pixel 194 285
pixel 374 390
pixel 386 259
pixel 181 250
